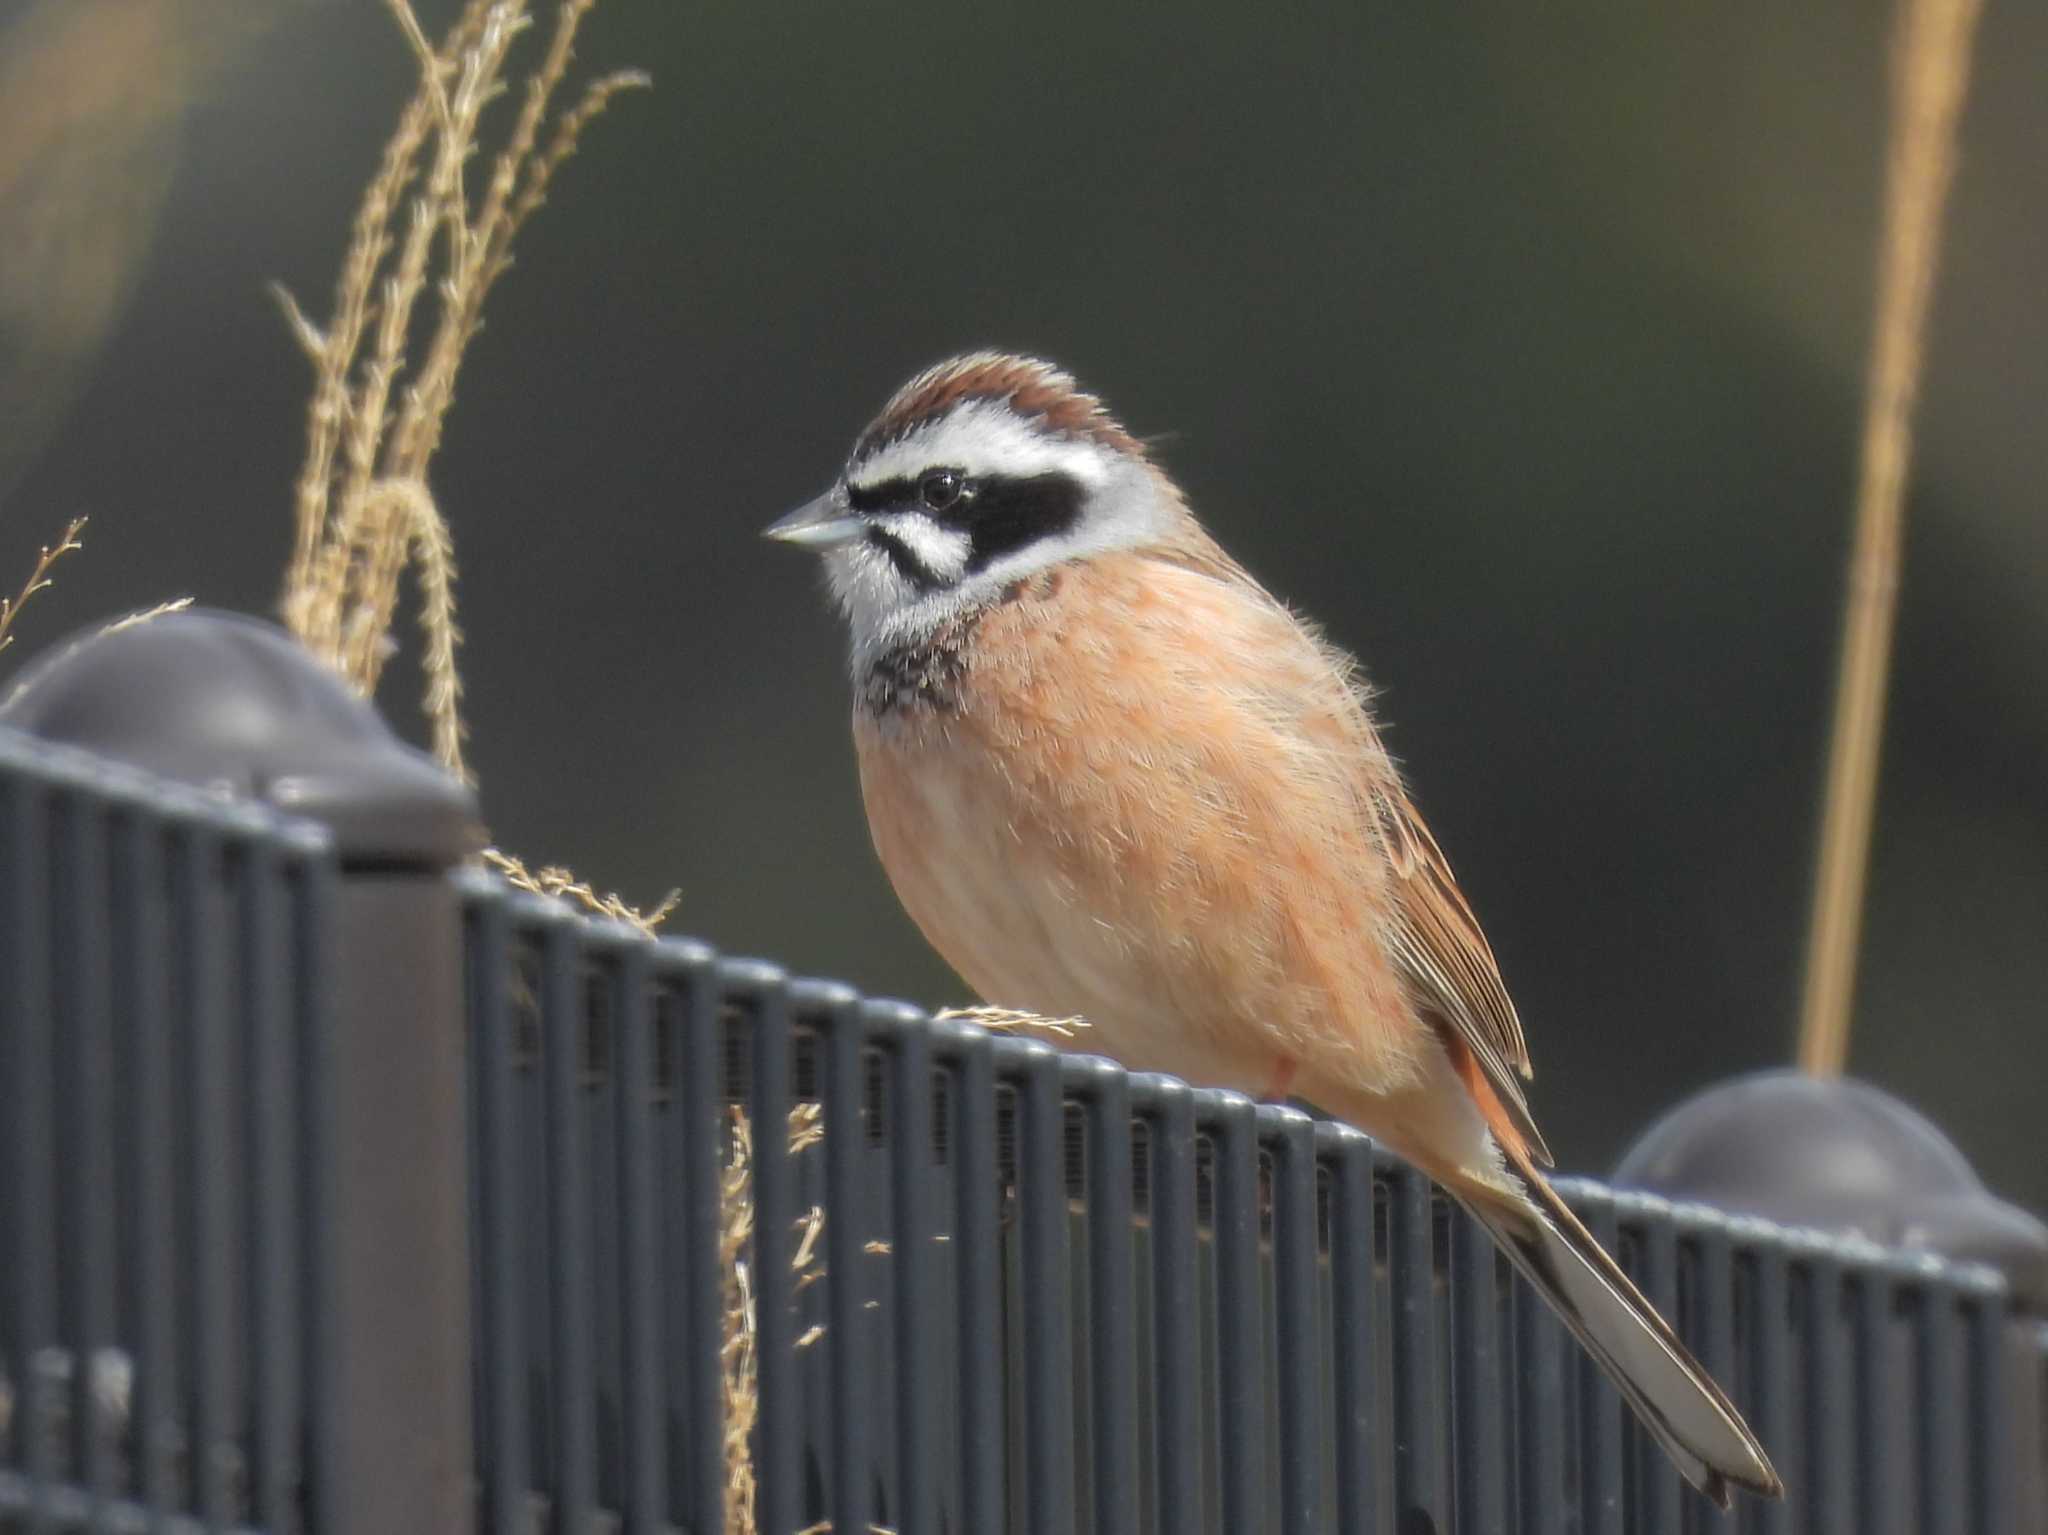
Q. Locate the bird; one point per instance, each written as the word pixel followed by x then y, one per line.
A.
pixel 1110 775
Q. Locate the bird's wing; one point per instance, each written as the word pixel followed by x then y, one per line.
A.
pixel 1438 949
pixel 1445 959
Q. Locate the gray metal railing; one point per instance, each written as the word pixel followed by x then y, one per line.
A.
pixel 340 1193
pixel 161 1021
pixel 1048 1295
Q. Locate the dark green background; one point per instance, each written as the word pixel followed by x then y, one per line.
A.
pixel 1520 345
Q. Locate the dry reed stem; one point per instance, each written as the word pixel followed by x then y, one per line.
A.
pixel 738 1366
pixel 568 134
pixel 378 544
pixel 558 882
pixel 483 249
pixel 433 552
pixel 738 1357
pixel 146 615
pixel 1931 73
pixel 364 512
pixel 316 581
pixel 38 578
pixel 1009 1018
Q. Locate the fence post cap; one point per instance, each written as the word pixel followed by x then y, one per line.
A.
pixel 1841 1156
pixel 237 706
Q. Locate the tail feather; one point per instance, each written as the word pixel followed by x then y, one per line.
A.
pixel 1678 1402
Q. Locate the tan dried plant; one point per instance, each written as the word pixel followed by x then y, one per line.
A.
pixel 365 513
pixel 558 882
pixel 1014 1020
pixel 38 578
pixel 1931 55
pixel 739 1357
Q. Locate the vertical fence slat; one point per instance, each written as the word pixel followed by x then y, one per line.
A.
pixel 694 1136
pixel 633 1084
pixel 1994 1446
pixel 843 1036
pixel 1603 1445
pixel 501 1417
pixel 2030 1387
pixel 208 1171
pixel 1104 1091
pixel 313 1015
pixel 1708 1323
pixel 597 1110
pixel 758 993
pixel 1357 1345
pixel 26 1078
pixel 1881 1505
pixel 270 1043
pixel 141 979
pixel 978 1237
pixel 1830 1407
pixel 1175 1306
pixel 1944 1422
pixel 1656 1243
pixel 1476 1373
pixel 569 1261
pixel 1240 1322
pixel 1544 1374
pixel 85 1131
pixel 1770 1374
pixel 1048 1470
pixel 1418 1472
pixel 1291 1137
pixel 913 1231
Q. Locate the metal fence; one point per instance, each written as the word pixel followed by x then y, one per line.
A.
pixel 727 1227
pixel 999 1287
pixel 162 957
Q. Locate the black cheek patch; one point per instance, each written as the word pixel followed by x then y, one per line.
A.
pixel 1011 512
pixel 907 564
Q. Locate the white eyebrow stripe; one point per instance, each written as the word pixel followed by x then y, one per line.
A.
pixel 981 439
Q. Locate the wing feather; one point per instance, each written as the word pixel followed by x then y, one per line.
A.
pixel 1445 958
pixel 1439 951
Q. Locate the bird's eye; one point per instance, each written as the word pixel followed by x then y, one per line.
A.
pixel 942 488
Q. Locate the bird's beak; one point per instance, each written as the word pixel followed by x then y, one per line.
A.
pixel 818 524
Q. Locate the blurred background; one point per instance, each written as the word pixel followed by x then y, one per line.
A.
pixel 1523 347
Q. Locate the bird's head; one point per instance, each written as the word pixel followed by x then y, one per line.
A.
pixel 981 471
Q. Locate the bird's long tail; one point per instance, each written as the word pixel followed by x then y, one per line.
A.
pixel 1677 1400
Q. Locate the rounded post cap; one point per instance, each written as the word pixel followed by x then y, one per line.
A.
pixel 1839 1156
pixel 237 706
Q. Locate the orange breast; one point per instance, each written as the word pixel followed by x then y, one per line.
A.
pixel 1148 807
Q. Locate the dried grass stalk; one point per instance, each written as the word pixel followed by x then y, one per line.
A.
pixel 1931 77
pixel 38 578
pixel 555 881
pixel 146 615
pixel 364 512
pixel 1010 1018
pixel 739 1359
pixel 738 1365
